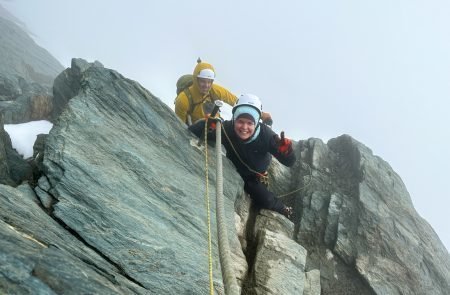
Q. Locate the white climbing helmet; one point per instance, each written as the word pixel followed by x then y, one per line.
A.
pixel 206 74
pixel 250 100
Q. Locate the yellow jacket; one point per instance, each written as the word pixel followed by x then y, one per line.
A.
pixel 218 92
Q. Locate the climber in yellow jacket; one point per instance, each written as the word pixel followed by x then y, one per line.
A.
pixel 203 92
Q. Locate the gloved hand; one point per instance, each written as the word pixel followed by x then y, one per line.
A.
pixel 266 118
pixel 212 122
pixel 284 144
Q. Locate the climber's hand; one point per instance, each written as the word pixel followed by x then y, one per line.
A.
pixel 284 144
pixel 212 122
pixel 266 118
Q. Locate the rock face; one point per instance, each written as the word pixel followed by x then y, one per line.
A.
pixel 5 141
pixel 358 223
pixel 67 84
pixel 13 168
pixel 279 266
pixel 26 75
pixel 39 256
pixel 21 56
pixel 117 164
pixel 120 209
pixel 31 104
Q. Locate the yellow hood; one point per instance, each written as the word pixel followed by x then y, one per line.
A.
pixel 201 66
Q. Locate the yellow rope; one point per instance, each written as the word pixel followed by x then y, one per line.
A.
pixel 211 285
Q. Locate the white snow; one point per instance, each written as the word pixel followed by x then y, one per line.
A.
pixel 24 135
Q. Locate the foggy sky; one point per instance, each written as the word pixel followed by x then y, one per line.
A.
pixel 378 71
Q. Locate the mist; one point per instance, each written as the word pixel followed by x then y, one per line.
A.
pixel 378 71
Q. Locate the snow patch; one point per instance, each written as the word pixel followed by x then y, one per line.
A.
pixel 24 135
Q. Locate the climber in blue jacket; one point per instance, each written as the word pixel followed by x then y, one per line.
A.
pixel 250 146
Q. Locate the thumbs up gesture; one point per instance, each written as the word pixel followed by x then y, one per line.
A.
pixel 284 144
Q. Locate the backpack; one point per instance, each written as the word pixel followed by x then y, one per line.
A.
pixel 184 82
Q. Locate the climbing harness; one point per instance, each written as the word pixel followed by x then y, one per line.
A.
pixel 229 278
pixel 206 103
pixel 264 178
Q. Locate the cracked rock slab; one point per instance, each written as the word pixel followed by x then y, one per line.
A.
pixel 279 265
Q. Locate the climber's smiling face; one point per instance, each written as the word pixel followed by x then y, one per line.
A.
pixel 244 127
pixel 204 85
